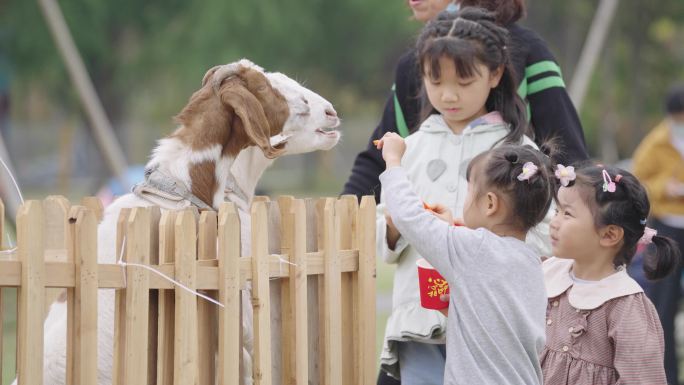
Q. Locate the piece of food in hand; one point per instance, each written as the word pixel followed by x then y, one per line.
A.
pixel 375 142
pixel 427 206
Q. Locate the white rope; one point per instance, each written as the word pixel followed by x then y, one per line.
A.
pixel 166 277
pixel 12 248
pixel 16 186
pixel 280 266
pixel 21 197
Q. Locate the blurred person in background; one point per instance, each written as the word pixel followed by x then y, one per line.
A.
pixel 550 110
pixel 659 164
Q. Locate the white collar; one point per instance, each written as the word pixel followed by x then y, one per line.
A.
pixel 492 120
pixel 587 296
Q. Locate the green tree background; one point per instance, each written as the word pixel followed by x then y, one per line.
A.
pixel 146 58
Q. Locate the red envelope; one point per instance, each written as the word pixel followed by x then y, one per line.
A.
pixel 432 286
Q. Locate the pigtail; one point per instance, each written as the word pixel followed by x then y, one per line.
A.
pixel 662 258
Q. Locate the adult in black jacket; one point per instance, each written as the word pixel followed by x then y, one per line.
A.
pixel 550 109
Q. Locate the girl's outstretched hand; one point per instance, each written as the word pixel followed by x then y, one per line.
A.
pixel 393 148
pixel 442 212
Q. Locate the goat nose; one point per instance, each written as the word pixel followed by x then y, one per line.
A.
pixel 330 112
pixel 305 101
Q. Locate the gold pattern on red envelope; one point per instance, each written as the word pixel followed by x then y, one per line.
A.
pixel 437 287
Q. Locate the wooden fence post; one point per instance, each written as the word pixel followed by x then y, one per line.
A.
pixel 229 295
pixel 83 224
pixel 261 295
pixel 331 296
pixel 185 347
pixel 30 242
pixel 120 303
pixel 365 312
pixel 207 312
pixel 137 297
pixel 167 309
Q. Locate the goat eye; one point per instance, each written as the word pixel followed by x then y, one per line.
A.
pixel 261 89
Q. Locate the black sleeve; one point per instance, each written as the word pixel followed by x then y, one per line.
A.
pixel 552 113
pixel 368 165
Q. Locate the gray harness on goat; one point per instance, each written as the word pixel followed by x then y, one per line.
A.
pixel 165 191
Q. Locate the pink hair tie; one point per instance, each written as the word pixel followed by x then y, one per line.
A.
pixel 608 184
pixel 647 238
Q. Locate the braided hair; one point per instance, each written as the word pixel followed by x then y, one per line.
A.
pixel 627 207
pixel 470 38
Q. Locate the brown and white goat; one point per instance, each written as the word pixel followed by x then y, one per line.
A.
pixel 230 132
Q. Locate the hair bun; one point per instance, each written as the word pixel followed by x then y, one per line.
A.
pixel 511 157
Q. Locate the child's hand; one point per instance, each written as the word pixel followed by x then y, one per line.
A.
pixel 393 148
pixel 393 234
pixel 444 298
pixel 442 212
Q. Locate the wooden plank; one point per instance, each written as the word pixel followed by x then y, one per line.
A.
pixel 110 275
pixel 345 209
pixel 137 297
pixel 185 352
pixel 56 209
pixel 56 228
pixel 95 205
pixel 120 301
pixel 165 327
pixel 207 341
pixel 229 295
pixel 260 296
pixel 84 237
pixel 365 312
pixel 153 318
pixel 332 286
pixel 314 325
pixel 30 242
pixel 299 296
pixel 70 295
pixel 275 288
pixel 287 350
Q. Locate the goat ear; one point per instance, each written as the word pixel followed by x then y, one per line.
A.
pixel 251 114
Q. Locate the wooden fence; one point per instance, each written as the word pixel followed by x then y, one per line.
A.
pixel 312 271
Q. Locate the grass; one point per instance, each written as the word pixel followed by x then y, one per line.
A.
pixel 9 330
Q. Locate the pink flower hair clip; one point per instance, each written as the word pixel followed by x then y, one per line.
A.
pixel 608 184
pixel 647 238
pixel 565 174
pixel 529 170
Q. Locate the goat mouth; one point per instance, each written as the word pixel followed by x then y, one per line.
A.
pixel 328 131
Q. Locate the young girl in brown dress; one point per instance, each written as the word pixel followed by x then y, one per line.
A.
pixel 600 327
